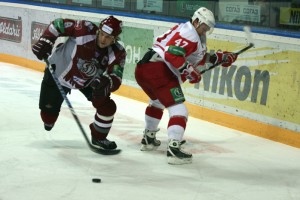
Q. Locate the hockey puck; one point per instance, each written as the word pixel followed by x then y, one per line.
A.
pixel 96 180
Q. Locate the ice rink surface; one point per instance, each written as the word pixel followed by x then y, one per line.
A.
pixel 40 165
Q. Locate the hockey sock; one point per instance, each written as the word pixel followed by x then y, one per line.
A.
pixel 153 116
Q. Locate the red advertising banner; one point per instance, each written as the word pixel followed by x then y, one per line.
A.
pixel 11 29
pixel 37 29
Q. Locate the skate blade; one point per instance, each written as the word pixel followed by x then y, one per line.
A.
pixel 172 160
pixel 149 147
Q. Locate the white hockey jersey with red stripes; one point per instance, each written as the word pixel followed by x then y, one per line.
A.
pixel 185 36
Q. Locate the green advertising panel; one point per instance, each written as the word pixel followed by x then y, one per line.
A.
pixel 187 8
pixel 136 42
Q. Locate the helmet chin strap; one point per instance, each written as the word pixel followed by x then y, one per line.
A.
pixel 197 24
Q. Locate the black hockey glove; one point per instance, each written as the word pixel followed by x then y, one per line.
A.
pixel 43 48
pixel 101 86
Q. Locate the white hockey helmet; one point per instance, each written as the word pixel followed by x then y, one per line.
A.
pixel 205 16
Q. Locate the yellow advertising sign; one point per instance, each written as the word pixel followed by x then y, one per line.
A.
pixel 290 16
pixel 263 82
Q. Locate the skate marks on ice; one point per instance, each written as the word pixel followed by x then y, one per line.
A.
pixel 36 164
pixel 129 130
pixel 24 85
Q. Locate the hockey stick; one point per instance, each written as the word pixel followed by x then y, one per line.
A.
pixel 63 94
pixel 249 46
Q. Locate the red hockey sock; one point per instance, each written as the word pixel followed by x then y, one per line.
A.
pixel 177 120
pixel 154 112
pixel 49 118
pixel 96 132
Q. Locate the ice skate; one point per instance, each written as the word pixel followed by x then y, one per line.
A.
pixel 104 144
pixel 149 141
pixel 175 155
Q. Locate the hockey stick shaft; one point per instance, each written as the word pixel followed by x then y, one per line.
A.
pixel 219 63
pixel 64 95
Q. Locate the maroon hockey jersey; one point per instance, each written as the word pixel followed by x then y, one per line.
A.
pixel 79 60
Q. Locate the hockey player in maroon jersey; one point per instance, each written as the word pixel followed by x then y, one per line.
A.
pixel 173 59
pixel 91 60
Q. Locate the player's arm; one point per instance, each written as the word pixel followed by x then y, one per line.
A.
pixel 115 72
pixel 68 27
pixel 57 28
pixel 43 47
pixel 177 50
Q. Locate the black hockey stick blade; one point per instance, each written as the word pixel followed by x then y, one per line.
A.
pixel 105 151
pixel 63 94
pixel 97 149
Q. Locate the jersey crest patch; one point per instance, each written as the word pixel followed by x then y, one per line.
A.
pixel 177 94
pixel 87 68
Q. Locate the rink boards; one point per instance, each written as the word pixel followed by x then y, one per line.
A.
pixel 257 95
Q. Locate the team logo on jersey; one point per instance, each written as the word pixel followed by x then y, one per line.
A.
pixel 88 68
pixel 177 94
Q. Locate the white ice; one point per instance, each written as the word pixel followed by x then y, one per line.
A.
pixel 40 165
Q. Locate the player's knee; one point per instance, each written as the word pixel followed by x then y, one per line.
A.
pixel 178 110
pixel 49 105
pixel 106 108
pixel 154 112
pixel 156 103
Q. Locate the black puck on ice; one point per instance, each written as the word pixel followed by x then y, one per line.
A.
pixel 96 180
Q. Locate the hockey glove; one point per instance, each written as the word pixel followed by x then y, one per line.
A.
pixel 101 86
pixel 227 58
pixel 43 48
pixel 190 73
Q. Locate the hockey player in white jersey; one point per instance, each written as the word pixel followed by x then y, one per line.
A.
pixel 173 59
